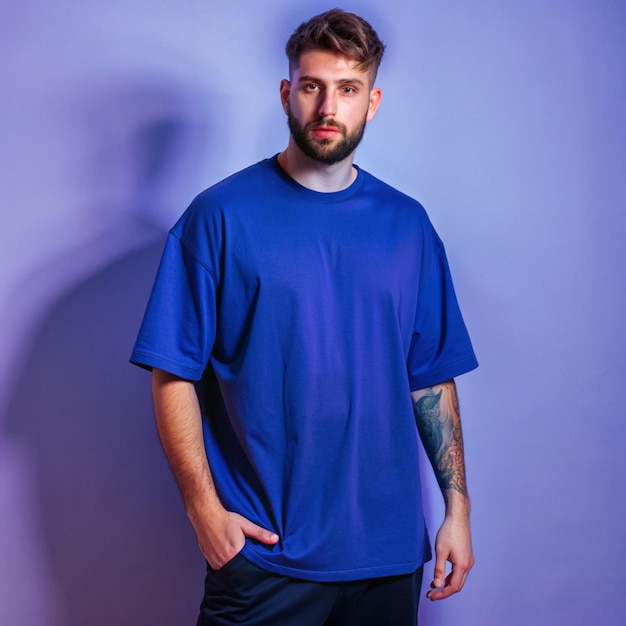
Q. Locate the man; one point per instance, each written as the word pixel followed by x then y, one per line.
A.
pixel 302 321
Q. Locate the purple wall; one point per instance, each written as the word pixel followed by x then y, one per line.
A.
pixel 505 119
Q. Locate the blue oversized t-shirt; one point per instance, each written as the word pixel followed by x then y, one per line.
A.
pixel 314 315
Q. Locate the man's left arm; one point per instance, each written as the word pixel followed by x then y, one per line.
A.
pixel 439 423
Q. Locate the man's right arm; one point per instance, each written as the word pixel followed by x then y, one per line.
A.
pixel 221 533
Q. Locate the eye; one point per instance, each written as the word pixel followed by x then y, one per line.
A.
pixel 311 87
pixel 347 89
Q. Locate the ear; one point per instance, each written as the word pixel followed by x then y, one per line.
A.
pixel 375 97
pixel 285 92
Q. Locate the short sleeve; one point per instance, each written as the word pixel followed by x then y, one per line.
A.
pixel 178 329
pixel 440 347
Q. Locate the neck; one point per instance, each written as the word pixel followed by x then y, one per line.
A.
pixel 315 175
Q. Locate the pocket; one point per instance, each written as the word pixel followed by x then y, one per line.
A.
pixel 231 563
pixel 226 565
pixel 237 578
pixel 235 591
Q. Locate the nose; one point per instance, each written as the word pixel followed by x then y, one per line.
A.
pixel 328 104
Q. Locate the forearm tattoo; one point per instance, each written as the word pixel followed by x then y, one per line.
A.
pixel 438 420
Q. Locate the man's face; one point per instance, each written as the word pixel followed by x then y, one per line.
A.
pixel 315 139
pixel 328 102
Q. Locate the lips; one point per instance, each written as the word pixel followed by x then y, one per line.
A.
pixel 325 132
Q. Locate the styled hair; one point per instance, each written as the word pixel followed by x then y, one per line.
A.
pixel 338 31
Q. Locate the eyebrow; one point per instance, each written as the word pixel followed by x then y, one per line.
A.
pixel 342 81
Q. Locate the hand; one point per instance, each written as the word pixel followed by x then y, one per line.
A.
pixel 224 536
pixel 453 544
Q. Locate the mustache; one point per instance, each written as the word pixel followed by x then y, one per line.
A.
pixel 325 122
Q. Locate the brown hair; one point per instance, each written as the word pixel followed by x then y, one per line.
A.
pixel 338 31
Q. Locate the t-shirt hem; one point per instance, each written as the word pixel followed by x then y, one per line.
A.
pixel 397 569
pixel 149 360
pixel 443 373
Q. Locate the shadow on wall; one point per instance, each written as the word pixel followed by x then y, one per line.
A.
pixel 119 543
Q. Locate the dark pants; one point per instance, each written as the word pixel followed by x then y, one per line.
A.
pixel 242 593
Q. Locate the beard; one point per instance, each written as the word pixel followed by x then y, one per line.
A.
pixel 324 150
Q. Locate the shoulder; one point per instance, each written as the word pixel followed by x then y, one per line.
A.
pixel 383 189
pixel 391 199
pixel 208 208
pixel 237 186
